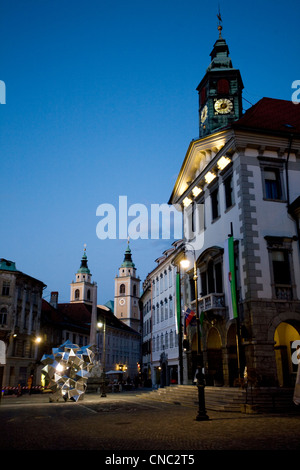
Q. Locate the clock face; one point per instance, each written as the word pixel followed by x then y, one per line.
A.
pixel 223 106
pixel 122 301
pixel 204 114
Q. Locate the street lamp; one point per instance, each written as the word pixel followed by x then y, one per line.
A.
pixel 201 416
pixel 102 324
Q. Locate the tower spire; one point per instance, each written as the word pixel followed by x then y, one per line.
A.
pixel 84 266
pixel 220 27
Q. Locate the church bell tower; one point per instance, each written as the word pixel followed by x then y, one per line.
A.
pixel 83 289
pixel 127 293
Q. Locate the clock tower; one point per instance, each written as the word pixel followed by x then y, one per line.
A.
pixel 127 293
pixel 220 91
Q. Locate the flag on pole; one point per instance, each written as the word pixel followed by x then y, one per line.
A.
pixel 230 284
pixel 190 317
pixel 178 302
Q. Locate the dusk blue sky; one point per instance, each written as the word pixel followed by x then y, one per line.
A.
pixel 101 102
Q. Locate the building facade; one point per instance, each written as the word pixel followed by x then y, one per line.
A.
pixel 118 346
pixel 145 303
pixel 238 188
pixel 20 319
pixel 160 330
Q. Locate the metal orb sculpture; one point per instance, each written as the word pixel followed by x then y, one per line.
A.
pixel 67 369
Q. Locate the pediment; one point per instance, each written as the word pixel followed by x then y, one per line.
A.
pixel 201 157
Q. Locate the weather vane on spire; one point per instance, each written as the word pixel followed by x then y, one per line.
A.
pixel 220 23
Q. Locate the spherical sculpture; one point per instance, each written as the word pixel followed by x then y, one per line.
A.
pixel 67 370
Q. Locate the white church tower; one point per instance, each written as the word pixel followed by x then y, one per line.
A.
pixel 127 293
pixel 83 289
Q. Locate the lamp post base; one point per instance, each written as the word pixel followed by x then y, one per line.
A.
pixel 201 416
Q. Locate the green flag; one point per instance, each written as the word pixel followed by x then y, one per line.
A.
pixel 201 319
pixel 178 301
pixel 232 276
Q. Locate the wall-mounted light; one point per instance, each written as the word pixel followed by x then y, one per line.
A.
pixel 196 191
pixel 187 201
pixel 209 177
pixel 223 162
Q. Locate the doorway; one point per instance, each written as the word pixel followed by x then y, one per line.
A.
pixel 214 358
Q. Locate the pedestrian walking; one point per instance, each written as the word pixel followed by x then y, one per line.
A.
pixel 296 397
pixel 29 383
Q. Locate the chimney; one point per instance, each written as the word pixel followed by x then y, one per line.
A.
pixel 54 299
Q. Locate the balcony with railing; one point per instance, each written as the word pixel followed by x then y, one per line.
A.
pixel 283 292
pixel 212 301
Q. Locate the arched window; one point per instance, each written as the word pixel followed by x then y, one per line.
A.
pixel 88 294
pixel 122 289
pixel 77 294
pixel 134 290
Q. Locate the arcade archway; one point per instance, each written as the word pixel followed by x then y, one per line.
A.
pixel 284 337
pixel 214 358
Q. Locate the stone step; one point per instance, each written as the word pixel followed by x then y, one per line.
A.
pixel 224 398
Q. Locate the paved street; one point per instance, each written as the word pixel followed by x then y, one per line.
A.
pixel 129 422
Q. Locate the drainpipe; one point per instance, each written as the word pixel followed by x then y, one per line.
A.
pixel 287 172
pixel 290 212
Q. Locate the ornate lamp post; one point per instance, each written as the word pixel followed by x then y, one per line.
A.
pixel 201 416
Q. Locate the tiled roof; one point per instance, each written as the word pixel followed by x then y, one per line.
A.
pixel 78 315
pixel 271 115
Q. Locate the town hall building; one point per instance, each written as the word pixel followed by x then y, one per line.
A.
pixel 238 188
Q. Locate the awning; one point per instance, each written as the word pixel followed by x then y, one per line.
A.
pixel 110 372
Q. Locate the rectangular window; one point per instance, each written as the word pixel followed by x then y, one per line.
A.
pixel 3 316
pixel 228 192
pixel 5 288
pixel 281 274
pixel 203 284
pixel 193 217
pixel 170 277
pixel 170 308
pixel 281 268
pixel 272 183
pixel 219 278
pixel 192 289
pixel 215 204
pixel 161 312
